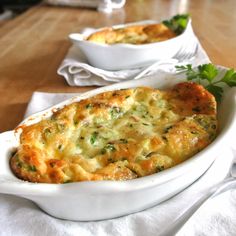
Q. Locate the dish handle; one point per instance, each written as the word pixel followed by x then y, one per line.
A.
pixel 229 114
pixel 8 144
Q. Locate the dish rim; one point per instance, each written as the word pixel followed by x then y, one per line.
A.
pixel 81 36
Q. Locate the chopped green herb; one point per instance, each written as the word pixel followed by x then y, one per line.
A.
pixel 196 109
pixel 19 164
pixel 93 137
pixel 201 121
pixel 167 129
pixel 150 154
pixel 194 132
pixel 52 164
pixel 89 106
pixel 160 168
pixel 206 75
pixel 135 172
pixel 111 160
pixel 32 168
pixel 60 127
pixel 141 108
pixel 213 126
pixel 103 151
pixel 122 140
pixel 127 96
pixel 165 138
pixel 212 136
pixel 115 94
pixel 115 112
pixel 47 131
pixel 108 147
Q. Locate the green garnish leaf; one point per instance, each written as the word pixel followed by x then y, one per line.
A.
pixel 177 23
pixel 190 73
pixel 217 91
pixel 230 78
pixel 208 71
pixel 206 76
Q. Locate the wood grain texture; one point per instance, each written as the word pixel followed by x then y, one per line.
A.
pixel 33 45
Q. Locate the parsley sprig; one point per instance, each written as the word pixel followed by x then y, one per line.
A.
pixel 206 75
pixel 177 23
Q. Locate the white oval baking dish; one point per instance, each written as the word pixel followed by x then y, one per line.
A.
pixel 125 56
pixel 86 201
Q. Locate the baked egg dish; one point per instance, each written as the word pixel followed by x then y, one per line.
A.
pixel 135 34
pixel 117 135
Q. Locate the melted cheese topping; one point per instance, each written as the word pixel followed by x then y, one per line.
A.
pixel 118 135
pixel 139 34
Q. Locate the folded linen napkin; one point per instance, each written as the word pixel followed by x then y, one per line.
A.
pixel 78 72
pixel 101 5
pixel 21 217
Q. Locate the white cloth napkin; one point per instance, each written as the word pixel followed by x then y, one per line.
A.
pixel 21 217
pixel 101 5
pixel 78 72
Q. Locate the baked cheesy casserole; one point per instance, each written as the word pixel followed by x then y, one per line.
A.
pixel 138 34
pixel 117 135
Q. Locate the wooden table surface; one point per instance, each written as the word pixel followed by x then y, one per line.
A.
pixel 33 45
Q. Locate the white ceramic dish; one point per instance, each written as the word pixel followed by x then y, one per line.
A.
pixel 99 200
pixel 126 56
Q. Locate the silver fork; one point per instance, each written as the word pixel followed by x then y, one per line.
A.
pixel 154 65
pixel 182 56
pixel 183 217
pixel 186 54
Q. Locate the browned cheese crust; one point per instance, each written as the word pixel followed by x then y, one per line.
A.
pixel 139 34
pixel 117 135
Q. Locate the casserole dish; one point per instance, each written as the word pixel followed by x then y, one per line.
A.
pixel 108 199
pixel 125 56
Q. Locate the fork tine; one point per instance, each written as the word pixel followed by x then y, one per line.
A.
pixel 190 55
pixel 185 53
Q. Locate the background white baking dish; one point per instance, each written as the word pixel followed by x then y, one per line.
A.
pixel 125 56
pixel 107 199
